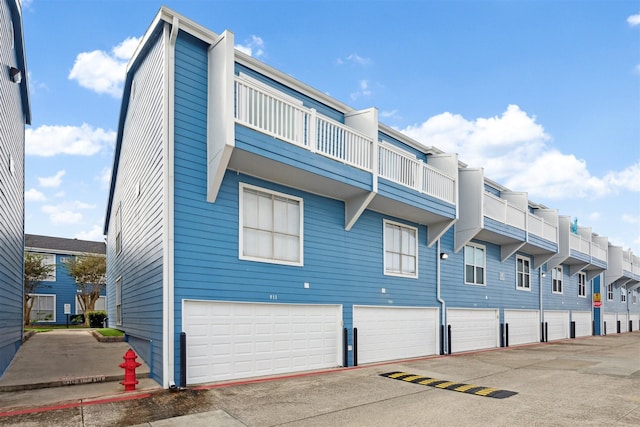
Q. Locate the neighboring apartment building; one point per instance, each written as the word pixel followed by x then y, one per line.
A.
pixel 268 222
pixel 15 113
pixel 59 289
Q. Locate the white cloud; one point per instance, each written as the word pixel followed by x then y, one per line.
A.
pixel 252 47
pixel 33 195
pixel 47 141
pixel 104 72
pixel 354 58
pixel 52 181
pixel 513 150
pixel 66 213
pixel 634 20
pixel 364 90
pixel 95 234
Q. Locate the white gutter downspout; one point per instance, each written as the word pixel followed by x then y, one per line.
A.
pixel 168 353
pixel 440 300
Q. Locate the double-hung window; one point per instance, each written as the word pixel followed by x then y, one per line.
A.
pixel 119 301
pixel 43 308
pixel 400 250
pixel 271 226
pixel 623 294
pixel 474 264
pixel 556 280
pixel 634 296
pixel 118 226
pixel 582 285
pixel 523 273
pixel 610 292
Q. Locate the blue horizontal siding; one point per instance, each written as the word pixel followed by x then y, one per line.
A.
pixel 542 243
pixel 504 229
pixel 414 198
pixel 266 146
pixel 399 144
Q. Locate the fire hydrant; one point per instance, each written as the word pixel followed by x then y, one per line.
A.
pixel 129 365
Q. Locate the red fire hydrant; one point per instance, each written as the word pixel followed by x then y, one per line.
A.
pixel 129 365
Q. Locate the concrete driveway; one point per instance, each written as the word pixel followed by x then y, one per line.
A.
pixel 587 381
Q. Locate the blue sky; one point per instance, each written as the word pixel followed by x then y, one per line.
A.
pixel 544 95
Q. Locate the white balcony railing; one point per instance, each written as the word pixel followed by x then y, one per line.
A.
pixel 598 253
pixel 503 211
pixel 265 110
pixel 585 246
pixel 539 227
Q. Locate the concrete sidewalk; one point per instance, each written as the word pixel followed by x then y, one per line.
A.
pixel 66 364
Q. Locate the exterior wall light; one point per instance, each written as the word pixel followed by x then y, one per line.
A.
pixel 15 74
pixel 444 255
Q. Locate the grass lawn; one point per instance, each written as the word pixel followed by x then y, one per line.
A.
pixel 109 332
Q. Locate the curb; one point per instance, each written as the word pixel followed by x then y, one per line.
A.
pixel 101 338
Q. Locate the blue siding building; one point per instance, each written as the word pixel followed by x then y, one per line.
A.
pixel 267 223
pixel 15 113
pixel 59 289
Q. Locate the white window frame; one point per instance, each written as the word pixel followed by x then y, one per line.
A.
pixel 403 227
pixel 634 296
pixel 49 259
pixel 557 279
pixel 119 301
pixel 241 227
pixel 79 309
pixel 53 296
pixel 610 292
pixel 525 273
pixel 623 294
pixel 582 285
pixel 475 247
pixel 118 226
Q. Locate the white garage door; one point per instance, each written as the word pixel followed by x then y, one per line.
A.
pixel 473 329
pixel 635 319
pixel 557 325
pixel 609 326
pixel 238 340
pixel 388 333
pixel 624 322
pixel 524 326
pixel 583 322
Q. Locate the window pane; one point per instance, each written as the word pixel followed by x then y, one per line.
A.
pixel 469 270
pixel 280 214
pixel 479 257
pixel 408 264
pixel 265 212
pixel 293 218
pixel 480 275
pixel 250 207
pixel 527 282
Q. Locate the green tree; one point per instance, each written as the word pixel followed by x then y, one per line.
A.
pixel 35 271
pixel 90 271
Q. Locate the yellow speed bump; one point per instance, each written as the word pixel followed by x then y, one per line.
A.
pixel 450 385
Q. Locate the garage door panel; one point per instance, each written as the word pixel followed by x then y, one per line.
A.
pixel 557 325
pixel 227 340
pixel 524 326
pixel 388 333
pixel 582 321
pixel 473 329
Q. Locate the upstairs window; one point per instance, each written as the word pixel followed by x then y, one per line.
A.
pixel 400 250
pixel 582 285
pixel 623 294
pixel 49 259
pixel 119 301
pixel 610 292
pixel 474 264
pixel 556 280
pixel 634 296
pixel 271 226
pixel 523 273
pixel 118 225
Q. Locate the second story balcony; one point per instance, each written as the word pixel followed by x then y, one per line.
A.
pixel 623 268
pixel 504 219
pixel 279 136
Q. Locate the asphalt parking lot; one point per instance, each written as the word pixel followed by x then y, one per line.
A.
pixel 585 381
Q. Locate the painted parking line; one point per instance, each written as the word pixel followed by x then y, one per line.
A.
pixel 496 393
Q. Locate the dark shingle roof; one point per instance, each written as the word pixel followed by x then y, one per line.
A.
pixel 59 244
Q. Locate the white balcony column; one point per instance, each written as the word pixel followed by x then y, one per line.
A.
pixel 312 131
